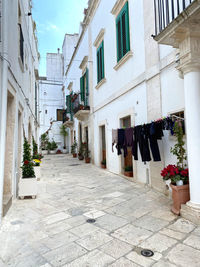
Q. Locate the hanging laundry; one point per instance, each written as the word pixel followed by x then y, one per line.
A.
pixel 154 134
pixel 120 141
pixel 141 138
pixel 129 140
pixel 114 138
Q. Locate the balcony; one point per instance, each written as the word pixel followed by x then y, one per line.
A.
pixel 68 119
pixel 174 18
pixel 81 110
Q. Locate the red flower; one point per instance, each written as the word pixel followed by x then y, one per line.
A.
pixel 26 162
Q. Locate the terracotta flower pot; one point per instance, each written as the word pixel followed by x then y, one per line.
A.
pixel 80 157
pixel 103 166
pixel 128 173
pixel 74 155
pixel 87 160
pixel 180 195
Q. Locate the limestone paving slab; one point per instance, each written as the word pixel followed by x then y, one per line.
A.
pixel 116 248
pixel 193 241
pixel 150 223
pixel 64 254
pixel 184 256
pixel 182 226
pixel 132 234
pixel 139 259
pixel 94 240
pixel 94 258
pixel 110 222
pixel 158 243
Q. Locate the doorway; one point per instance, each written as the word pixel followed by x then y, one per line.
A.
pixel 103 142
pixel 128 160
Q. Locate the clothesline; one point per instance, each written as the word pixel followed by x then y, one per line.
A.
pixel 145 136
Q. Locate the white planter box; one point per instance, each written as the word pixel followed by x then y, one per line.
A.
pixel 64 151
pixel 37 172
pixel 44 152
pixel 27 187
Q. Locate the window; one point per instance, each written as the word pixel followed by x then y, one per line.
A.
pixel 100 62
pixel 122 31
pixel 60 114
pixel 84 88
pixel 45 111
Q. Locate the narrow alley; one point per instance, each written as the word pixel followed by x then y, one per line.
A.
pixel 52 230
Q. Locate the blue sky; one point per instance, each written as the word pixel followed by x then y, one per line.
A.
pixel 54 18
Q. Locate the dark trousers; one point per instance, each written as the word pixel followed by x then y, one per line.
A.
pixel 141 138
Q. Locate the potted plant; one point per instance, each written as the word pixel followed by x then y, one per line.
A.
pixel 28 182
pixel 73 149
pixel 36 159
pixel 52 147
pixel 86 153
pixel 81 151
pixel 178 174
pixel 128 171
pixel 44 142
pixel 64 133
pixel 103 164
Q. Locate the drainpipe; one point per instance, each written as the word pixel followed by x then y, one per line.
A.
pixel 3 87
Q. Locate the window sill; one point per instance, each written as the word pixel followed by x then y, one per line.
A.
pixel 100 83
pixel 123 60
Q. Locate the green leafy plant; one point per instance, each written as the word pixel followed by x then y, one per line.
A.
pixel 44 141
pixel 64 133
pixel 53 145
pixel 179 150
pixel 177 172
pixel 74 147
pixel 128 168
pixel 86 151
pixel 81 149
pixel 35 148
pixel 27 167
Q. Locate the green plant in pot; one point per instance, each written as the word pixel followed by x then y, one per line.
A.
pixel 28 183
pixel 27 167
pixel 64 133
pixel 81 151
pixel 74 149
pixel 44 141
pixel 128 171
pixel 178 174
pixel 86 153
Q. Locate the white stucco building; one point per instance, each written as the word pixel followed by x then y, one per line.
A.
pixel 124 78
pixel 18 93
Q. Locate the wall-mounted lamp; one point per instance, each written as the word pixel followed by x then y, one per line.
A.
pixel 29 14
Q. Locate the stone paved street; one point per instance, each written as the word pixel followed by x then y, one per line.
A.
pixel 52 229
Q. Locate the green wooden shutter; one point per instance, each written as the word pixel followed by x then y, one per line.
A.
pixel 127 28
pixel 102 58
pixel 82 88
pixel 98 75
pixel 87 87
pixel 122 30
pixel 118 31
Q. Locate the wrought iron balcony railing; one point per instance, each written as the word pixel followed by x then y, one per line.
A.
pixel 166 11
pixel 79 105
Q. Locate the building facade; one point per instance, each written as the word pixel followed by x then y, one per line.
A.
pixel 18 93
